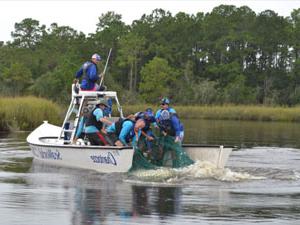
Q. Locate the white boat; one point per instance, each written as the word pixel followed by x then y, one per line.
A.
pixel 54 145
pixel 47 147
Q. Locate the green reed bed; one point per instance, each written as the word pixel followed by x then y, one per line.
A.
pixel 229 112
pixel 26 113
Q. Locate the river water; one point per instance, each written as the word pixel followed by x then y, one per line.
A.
pixel 260 184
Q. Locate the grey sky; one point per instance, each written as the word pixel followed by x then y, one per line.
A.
pixel 83 15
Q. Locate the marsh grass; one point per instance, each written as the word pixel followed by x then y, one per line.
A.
pixel 26 113
pixel 229 112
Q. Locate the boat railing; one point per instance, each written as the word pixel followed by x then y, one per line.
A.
pixel 97 94
pixel 78 100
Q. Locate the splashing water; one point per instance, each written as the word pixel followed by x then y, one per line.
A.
pixel 200 170
pixel 206 170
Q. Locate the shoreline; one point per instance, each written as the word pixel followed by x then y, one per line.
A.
pixel 26 113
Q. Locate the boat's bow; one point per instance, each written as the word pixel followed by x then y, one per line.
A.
pixel 47 147
pixel 44 130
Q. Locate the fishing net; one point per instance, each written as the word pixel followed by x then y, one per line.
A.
pixel 164 152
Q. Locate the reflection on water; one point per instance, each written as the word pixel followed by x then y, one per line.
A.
pixel 140 201
pixel 243 133
pixel 261 184
pixel 162 201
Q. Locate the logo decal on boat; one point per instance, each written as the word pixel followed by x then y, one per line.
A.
pixel 46 153
pixel 109 159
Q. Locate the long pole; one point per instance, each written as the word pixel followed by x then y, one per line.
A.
pixel 103 74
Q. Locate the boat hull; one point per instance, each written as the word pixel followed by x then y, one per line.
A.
pixel 101 160
pixel 46 147
pixel 216 155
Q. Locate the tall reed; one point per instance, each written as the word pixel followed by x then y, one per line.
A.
pixel 26 113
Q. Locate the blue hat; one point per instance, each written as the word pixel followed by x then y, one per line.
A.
pixel 149 112
pixel 165 101
pixel 97 57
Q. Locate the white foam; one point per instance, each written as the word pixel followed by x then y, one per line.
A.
pixel 208 170
pixel 200 170
pixel 295 176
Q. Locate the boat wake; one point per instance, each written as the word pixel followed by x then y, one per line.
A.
pixel 198 170
pixel 206 170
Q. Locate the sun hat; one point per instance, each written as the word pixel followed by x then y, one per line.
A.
pixel 101 102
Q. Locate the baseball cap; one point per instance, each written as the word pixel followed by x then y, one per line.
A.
pixel 96 56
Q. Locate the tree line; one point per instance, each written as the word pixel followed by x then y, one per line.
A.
pixel 230 55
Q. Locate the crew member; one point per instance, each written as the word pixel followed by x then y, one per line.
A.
pixel 89 71
pixel 95 122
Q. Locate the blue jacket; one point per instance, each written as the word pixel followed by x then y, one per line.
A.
pixel 90 72
pixel 172 126
pixel 178 127
pixel 126 132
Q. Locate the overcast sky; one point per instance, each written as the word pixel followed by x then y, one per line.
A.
pixel 83 15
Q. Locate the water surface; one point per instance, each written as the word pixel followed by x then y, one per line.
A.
pixel 260 184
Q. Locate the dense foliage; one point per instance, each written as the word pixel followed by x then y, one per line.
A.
pixel 230 55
